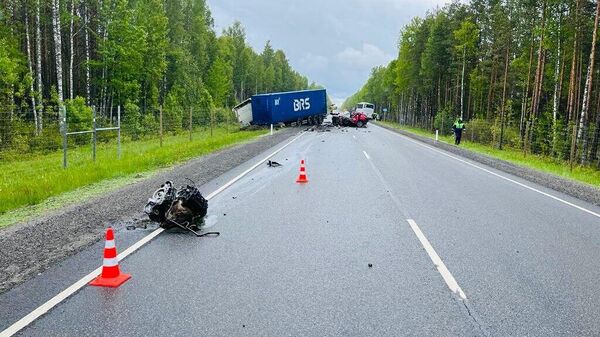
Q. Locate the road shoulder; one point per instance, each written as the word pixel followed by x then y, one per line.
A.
pixel 31 247
pixel 575 189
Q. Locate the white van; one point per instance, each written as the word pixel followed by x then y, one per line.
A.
pixel 366 108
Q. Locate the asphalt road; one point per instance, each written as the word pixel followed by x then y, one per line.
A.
pixel 293 260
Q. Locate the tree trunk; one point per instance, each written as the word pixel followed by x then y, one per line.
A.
pixel 596 138
pixel 71 49
pixel 503 112
pixel 29 64
pixel 38 51
pixel 57 48
pixel 526 95
pixel 491 92
pixel 537 85
pixel 462 84
pixel 582 133
pixel 557 84
pixel 87 54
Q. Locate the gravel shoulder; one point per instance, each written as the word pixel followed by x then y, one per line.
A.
pixel 31 247
pixel 575 189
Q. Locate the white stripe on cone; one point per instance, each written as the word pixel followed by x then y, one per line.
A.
pixel 111 262
pixel 109 244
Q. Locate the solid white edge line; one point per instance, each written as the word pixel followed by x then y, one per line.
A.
pixel 367 155
pixel 44 308
pixel 437 261
pixel 496 174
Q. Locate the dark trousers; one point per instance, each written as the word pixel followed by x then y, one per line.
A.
pixel 457 137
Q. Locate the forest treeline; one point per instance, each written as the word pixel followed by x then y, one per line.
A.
pixel 523 73
pixel 140 54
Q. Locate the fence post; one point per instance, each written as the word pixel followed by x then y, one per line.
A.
pixel 94 133
pixel 228 117
pixel 119 132
pixel 191 111
pixel 63 131
pixel 160 121
pixel 211 122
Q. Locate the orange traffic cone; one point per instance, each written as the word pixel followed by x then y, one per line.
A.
pixel 111 274
pixel 302 177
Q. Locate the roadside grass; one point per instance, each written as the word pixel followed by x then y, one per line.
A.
pixel 584 174
pixel 33 180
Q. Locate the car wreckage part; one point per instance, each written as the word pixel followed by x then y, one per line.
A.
pixel 160 202
pixel 184 208
pixel 193 228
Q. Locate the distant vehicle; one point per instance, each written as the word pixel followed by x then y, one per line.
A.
pixel 366 108
pixel 333 109
pixel 298 107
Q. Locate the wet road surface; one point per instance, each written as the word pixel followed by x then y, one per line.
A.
pixel 481 256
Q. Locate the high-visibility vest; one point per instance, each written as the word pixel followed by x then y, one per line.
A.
pixel 459 125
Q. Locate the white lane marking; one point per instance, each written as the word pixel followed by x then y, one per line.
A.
pixel 497 175
pixel 232 181
pixel 437 261
pixel 44 308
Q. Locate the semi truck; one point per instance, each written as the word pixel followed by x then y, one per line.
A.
pixel 366 108
pixel 298 107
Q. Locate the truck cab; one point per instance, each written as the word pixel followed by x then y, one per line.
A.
pixel 365 108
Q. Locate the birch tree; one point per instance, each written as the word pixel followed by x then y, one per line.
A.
pixel 57 48
pixel 71 49
pixel 29 64
pixel 38 68
pixel 582 130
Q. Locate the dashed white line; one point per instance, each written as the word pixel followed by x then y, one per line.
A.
pixel 44 308
pixel 437 261
pixel 498 175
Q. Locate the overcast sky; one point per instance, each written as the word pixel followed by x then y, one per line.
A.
pixel 333 42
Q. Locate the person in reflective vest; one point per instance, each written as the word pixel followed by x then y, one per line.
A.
pixel 458 128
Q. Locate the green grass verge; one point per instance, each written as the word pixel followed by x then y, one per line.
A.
pixel 584 174
pixel 33 180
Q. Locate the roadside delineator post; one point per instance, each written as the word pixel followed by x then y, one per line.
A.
pixel 302 179
pixel 111 274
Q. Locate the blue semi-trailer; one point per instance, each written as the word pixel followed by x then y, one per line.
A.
pixel 308 106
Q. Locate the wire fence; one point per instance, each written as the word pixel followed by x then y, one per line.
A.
pixel 553 141
pixel 74 134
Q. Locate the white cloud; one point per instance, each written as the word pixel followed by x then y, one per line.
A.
pixel 335 43
pixel 366 58
pixel 312 62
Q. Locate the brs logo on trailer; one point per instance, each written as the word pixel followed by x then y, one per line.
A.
pixel 302 104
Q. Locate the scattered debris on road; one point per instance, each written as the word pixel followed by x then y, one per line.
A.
pixel 272 163
pixel 184 208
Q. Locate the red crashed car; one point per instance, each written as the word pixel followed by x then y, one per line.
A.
pixel 356 119
pixel 359 119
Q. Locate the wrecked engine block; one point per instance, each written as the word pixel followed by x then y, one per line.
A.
pixel 183 207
